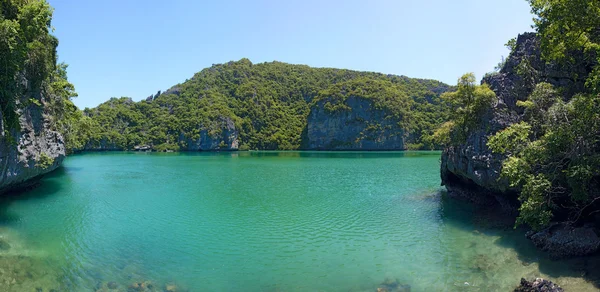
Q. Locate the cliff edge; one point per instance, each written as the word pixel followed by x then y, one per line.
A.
pixel 30 152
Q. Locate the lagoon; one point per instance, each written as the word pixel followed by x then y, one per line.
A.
pixel 261 221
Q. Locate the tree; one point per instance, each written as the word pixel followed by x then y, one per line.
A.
pixel 569 26
pixel 468 105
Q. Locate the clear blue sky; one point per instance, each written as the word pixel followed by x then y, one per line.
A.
pixel 134 48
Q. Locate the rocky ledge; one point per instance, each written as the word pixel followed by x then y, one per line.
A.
pixel 538 285
pixel 562 240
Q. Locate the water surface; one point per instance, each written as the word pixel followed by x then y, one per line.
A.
pixel 260 221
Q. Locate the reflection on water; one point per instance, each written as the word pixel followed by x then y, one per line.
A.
pixel 262 221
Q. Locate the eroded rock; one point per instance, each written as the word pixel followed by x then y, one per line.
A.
pixel 538 285
pixel 220 135
pixel 361 128
pixel 22 152
pixel 562 240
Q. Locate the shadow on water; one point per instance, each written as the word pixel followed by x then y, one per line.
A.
pixel 491 221
pixel 42 188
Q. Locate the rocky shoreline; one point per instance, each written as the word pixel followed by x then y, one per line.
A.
pixel 472 172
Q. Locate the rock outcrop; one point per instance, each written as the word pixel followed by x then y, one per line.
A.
pixel 561 240
pixel 361 127
pixel 472 171
pixel 30 152
pixel 472 165
pixel 222 135
pixel 538 285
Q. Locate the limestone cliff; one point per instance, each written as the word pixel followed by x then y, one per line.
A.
pixel 221 136
pixel 360 127
pixel 471 169
pixel 472 172
pixel 29 153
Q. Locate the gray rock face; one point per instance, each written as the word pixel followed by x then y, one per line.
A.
pixel 29 153
pixel 361 128
pixel 538 285
pixel 472 171
pixel 220 136
pixel 473 164
pixel 562 240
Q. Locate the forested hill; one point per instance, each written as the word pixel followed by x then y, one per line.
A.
pixel 240 105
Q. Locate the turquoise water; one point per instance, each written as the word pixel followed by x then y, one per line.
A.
pixel 259 221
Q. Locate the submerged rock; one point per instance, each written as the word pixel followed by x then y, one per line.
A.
pixel 538 285
pixel 23 273
pixel 144 286
pixel 4 245
pixel 562 240
pixel 112 285
pixel 393 286
pixel 171 288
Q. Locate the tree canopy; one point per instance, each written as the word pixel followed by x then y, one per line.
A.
pixel 568 27
pixel 468 104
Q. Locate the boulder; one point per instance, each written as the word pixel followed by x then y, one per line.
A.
pixel 538 285
pixel 562 240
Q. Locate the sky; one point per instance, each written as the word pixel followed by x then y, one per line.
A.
pixel 134 48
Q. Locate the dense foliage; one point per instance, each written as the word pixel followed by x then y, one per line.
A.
pixel 267 103
pixel 553 155
pixel 29 73
pixel 468 105
pixel 570 33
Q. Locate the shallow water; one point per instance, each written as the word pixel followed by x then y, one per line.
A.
pixel 261 221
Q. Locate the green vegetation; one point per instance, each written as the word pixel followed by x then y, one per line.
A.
pixel 570 35
pixel 267 103
pixel 553 155
pixel 44 161
pixel 468 105
pixel 30 75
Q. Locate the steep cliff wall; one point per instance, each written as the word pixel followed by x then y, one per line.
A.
pixel 29 153
pixel 222 136
pixel 359 127
pixel 471 170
